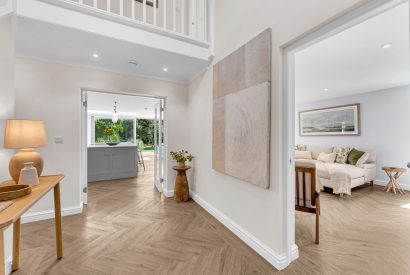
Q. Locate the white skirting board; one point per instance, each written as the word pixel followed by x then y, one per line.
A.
pixel 49 214
pixel 384 183
pixel 7 266
pixel 168 193
pixel 279 261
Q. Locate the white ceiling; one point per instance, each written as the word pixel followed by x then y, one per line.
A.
pixel 354 61
pixel 127 105
pixel 60 44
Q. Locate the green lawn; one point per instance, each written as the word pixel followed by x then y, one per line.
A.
pixel 148 148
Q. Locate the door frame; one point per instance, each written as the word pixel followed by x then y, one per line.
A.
pixel 159 151
pixel 83 137
pixel 344 21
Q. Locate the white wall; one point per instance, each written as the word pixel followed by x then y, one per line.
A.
pixel 255 211
pixel 384 116
pixel 51 92
pixel 7 105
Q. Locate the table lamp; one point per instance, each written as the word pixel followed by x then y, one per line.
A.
pixel 24 135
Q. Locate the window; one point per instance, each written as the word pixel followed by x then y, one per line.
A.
pixel 106 130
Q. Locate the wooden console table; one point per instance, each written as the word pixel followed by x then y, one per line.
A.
pixel 13 213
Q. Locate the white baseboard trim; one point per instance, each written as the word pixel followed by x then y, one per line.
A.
pixel 168 193
pixel 294 253
pixel 279 261
pixel 49 214
pixel 7 266
pixel 384 183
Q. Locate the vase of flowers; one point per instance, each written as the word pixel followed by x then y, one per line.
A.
pixel 181 157
pixel 111 136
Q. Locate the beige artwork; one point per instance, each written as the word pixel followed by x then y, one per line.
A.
pixel 241 112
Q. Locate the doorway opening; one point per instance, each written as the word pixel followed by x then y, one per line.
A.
pixel 311 95
pixel 123 140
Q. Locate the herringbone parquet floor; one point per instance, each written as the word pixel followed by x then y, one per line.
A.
pixel 128 228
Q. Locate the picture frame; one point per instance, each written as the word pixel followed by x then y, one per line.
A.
pixel 341 120
pixel 149 2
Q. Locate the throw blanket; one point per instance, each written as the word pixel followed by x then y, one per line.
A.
pixel 339 177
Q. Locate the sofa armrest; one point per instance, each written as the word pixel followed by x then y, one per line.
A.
pixel 368 165
pixel 369 171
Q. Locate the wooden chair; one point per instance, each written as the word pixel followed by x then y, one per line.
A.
pixel 307 199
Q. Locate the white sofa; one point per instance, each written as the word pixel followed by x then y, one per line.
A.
pixel 366 173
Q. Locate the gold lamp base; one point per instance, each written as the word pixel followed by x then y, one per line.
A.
pixel 21 157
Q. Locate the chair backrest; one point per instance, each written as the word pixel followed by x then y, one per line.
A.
pixel 305 181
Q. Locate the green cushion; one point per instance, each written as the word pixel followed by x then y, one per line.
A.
pixel 354 156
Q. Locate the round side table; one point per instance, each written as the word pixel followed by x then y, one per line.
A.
pixel 181 188
pixel 394 173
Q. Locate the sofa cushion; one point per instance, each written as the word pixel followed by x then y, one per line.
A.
pixel 363 159
pixel 354 172
pixel 341 154
pixel 303 155
pixel 354 156
pixel 316 150
pixel 372 154
pixel 300 147
pixel 323 157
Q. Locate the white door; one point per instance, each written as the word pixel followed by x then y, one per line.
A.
pixel 159 145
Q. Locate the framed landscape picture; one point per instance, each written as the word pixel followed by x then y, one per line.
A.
pixel 332 121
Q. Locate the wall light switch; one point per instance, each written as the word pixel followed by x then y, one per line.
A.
pixel 58 139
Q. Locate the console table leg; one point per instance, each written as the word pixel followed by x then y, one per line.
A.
pixel 57 210
pixel 16 245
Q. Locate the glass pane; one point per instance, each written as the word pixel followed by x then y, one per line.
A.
pixel 106 130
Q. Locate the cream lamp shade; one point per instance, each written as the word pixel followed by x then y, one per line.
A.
pixel 21 134
pixel 24 135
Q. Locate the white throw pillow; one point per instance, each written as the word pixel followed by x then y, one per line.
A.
pixel 303 155
pixel 362 160
pixel 330 158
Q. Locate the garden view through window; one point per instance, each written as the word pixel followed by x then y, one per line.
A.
pixel 123 131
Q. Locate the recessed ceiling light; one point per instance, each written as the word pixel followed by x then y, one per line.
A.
pixel 165 69
pixel 386 46
pixel 95 55
pixel 326 89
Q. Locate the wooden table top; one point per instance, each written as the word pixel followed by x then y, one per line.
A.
pixel 22 204
pixel 394 169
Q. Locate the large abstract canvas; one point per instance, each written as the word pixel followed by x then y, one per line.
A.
pixel 241 112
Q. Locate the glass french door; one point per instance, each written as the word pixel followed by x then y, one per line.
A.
pixel 159 145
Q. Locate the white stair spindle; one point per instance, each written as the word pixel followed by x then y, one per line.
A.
pixel 109 5
pixel 182 11
pixel 165 14
pixel 133 9
pixel 173 16
pixel 121 7
pixel 144 11
pixel 154 2
pixel 95 4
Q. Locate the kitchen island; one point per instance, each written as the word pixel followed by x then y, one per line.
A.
pixel 112 162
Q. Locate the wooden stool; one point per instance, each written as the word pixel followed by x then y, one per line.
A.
pixel 181 189
pixel 394 173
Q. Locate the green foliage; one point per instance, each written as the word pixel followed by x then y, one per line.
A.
pixel 106 130
pixel 181 156
pixel 145 130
